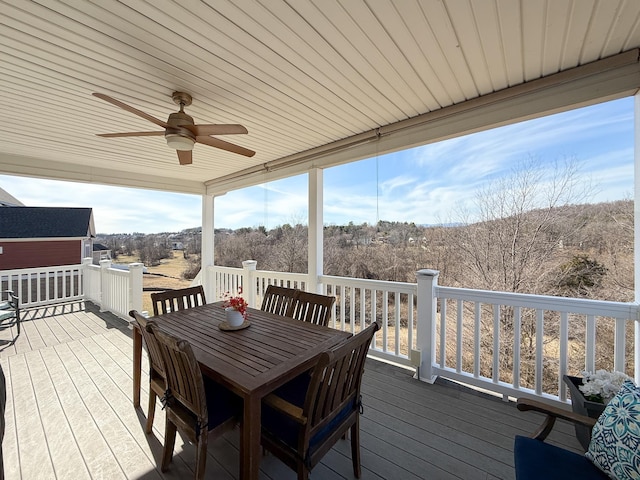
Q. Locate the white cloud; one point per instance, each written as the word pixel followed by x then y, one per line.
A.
pixel 423 185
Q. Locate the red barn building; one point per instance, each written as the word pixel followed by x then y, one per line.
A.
pixel 44 236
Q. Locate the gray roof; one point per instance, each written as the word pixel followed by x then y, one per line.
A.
pixel 45 222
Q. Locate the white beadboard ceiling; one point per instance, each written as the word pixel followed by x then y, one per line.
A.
pixel 309 79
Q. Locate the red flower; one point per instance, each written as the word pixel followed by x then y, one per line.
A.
pixel 238 303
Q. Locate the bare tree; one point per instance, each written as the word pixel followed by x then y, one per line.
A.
pixel 520 225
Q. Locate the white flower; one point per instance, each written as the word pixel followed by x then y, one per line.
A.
pixel 603 385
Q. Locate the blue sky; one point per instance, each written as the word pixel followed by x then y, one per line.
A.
pixel 425 185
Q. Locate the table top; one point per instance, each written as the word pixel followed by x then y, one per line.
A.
pixel 254 360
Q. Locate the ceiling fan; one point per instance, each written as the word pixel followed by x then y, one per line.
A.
pixel 180 131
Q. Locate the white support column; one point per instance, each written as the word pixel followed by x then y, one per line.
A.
pixel 207 248
pixel 426 335
pixel 105 284
pixel 86 278
pixel 316 233
pixel 636 228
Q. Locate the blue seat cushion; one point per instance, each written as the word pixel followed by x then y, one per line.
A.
pixel 222 404
pixel 287 430
pixel 539 460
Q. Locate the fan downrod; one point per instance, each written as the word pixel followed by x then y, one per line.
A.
pixel 181 98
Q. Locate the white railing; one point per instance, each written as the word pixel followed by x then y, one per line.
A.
pixel 521 345
pixel 392 304
pixel 357 303
pixel 454 332
pixel 114 290
pixel 45 285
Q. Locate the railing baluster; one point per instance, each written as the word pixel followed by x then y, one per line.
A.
pixel 496 343
pixel 539 349
pixel 459 306
pixel 620 347
pixel 476 338
pixel 517 326
pixel 564 351
pixel 443 333
pixel 590 347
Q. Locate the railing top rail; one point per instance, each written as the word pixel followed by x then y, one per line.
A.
pixel 543 302
pixel 269 273
pixel 57 268
pixel 400 287
pixel 227 269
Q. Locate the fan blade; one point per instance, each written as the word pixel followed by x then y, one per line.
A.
pixel 185 157
pixel 216 129
pixel 130 134
pixel 230 147
pixel 135 111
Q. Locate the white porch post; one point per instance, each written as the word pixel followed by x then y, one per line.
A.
pixel 426 335
pixel 86 278
pixel 636 232
pixel 105 285
pixel 316 250
pixel 207 259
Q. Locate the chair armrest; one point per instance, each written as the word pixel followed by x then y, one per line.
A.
pixel 552 413
pixel 287 408
pixel 12 298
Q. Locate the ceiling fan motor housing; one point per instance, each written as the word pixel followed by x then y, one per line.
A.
pixel 176 135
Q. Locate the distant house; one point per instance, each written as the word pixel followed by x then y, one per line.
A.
pixel 44 236
pixel 100 252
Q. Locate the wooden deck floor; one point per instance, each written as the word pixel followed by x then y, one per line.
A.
pixel 69 415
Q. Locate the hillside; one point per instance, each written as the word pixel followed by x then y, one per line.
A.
pixel 576 250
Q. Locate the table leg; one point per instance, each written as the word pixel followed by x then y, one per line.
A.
pixel 250 451
pixel 137 365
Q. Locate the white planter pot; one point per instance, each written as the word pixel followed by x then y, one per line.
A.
pixel 234 317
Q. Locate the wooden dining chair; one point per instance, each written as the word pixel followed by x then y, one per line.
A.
pixel 277 299
pixel 157 376
pixel 311 307
pixel 179 299
pixel 197 407
pixel 302 420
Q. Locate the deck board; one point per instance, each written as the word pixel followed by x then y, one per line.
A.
pixel 69 415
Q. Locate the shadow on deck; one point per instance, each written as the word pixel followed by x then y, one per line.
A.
pixel 70 416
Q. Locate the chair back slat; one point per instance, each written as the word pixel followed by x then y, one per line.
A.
pixel 277 299
pixel 184 378
pixel 155 357
pixel 311 307
pixel 336 380
pixel 180 299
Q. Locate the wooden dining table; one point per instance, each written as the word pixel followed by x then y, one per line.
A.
pixel 251 362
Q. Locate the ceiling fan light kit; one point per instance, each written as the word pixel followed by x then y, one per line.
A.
pixel 181 133
pixel 180 141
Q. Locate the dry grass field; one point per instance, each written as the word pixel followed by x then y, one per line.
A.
pixel 166 275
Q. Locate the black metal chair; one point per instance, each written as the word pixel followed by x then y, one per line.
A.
pixel 10 309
